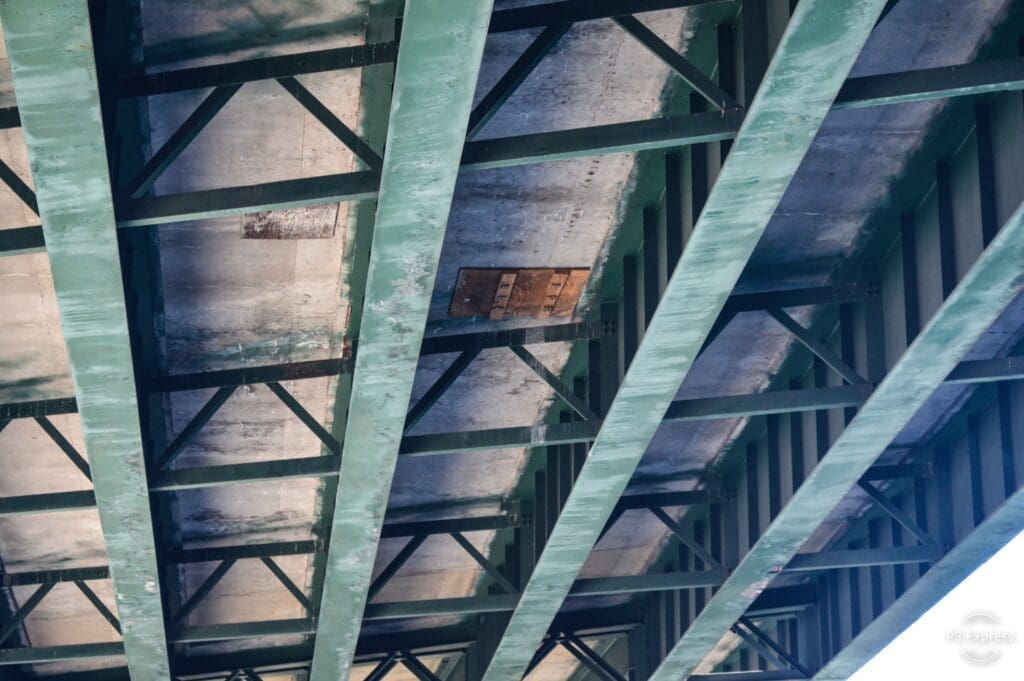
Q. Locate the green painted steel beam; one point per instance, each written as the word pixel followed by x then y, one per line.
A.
pixel 767 675
pixel 991 284
pixel 813 58
pixel 438 61
pixel 53 64
pixel 1002 526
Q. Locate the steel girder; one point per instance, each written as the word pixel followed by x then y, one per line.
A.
pixel 441 48
pixel 53 64
pixel 813 58
pixel 999 528
pixel 991 284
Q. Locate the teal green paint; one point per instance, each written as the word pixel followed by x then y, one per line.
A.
pixel 985 541
pixel 818 49
pixel 991 284
pixel 51 54
pixel 439 58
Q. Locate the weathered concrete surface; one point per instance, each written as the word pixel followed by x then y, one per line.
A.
pixel 844 177
pixel 230 301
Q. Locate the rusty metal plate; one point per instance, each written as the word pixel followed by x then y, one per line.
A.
pixel 500 293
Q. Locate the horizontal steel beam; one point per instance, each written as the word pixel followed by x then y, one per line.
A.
pixel 47 503
pixel 769 402
pixel 831 560
pixel 544 147
pixel 573 11
pixel 439 607
pixel 842 292
pixel 574 143
pixel 772 601
pixel 239 473
pixel 451 343
pixel 68 501
pixel 358 56
pixel 405 609
pixel 988 370
pixel 504 438
pixel 504 338
pixel 244 551
pixel 390 530
pixel 960 80
pixel 9 118
pixel 199 77
pixel 411 528
pixel 371 648
pixel 671 132
pixel 706 408
pixel 22 240
pixel 695 497
pixel 29 410
pixel 10 579
pixel 323 368
pixel 18 656
pixel 767 675
pixel 496 153
pixel 917 85
pixel 376 612
pixel 782 600
pixel 214 203
pixel 772 402
pixel 668 581
pixel 222 378
pixel 239 630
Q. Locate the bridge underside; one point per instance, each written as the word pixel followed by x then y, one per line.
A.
pixel 580 341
